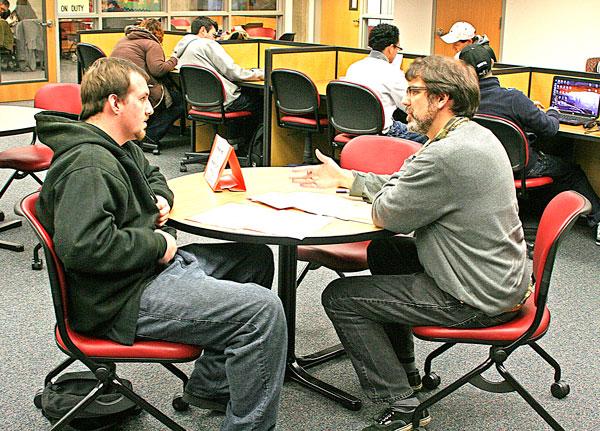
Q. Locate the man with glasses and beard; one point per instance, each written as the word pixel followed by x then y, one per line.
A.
pixel 465 266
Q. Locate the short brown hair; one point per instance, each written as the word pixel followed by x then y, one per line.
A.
pixel 153 26
pixel 104 77
pixel 446 75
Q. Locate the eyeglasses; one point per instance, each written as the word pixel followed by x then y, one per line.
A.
pixel 398 48
pixel 413 90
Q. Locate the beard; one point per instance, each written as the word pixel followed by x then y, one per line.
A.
pixel 140 135
pixel 423 123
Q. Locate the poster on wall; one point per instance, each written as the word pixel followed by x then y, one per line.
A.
pixel 75 6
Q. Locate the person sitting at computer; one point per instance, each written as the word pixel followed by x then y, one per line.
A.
pixel 462 34
pixel 513 105
pixel 201 48
pixel 386 79
pixel 142 45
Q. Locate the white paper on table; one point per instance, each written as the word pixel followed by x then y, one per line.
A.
pixel 259 218
pixel 323 204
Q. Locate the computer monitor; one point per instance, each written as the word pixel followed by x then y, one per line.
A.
pixel 577 96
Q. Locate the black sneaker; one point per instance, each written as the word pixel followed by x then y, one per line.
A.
pixel 218 404
pixel 414 380
pixel 393 420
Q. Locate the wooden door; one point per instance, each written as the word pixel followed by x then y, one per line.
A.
pixel 20 82
pixel 340 25
pixel 484 15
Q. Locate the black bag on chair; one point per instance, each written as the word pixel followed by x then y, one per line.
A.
pixel 255 150
pixel 105 413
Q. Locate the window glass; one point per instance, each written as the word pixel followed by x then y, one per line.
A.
pixel 379 7
pixel 237 5
pixel 131 6
pixel 68 29
pixel 184 23
pixel 254 21
pixel 199 5
pixel 121 22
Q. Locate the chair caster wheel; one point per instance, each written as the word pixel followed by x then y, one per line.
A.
pixel 37 398
pixel 431 381
pixel 183 168
pixel 178 403
pixel 37 265
pixel 560 389
pixel 156 152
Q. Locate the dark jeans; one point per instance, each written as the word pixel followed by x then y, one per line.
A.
pixel 249 100
pixel 400 130
pixel 373 315
pixel 162 118
pixel 567 176
pixel 212 295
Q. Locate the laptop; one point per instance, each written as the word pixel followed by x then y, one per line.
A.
pixel 577 99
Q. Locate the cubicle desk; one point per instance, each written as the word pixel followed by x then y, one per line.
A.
pixel 193 196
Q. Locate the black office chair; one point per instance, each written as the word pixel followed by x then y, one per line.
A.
pixel 353 110
pixel 203 90
pixel 297 106
pixel 86 55
pixel 288 36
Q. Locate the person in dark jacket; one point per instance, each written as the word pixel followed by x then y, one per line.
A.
pixel 105 208
pixel 142 46
pixel 513 105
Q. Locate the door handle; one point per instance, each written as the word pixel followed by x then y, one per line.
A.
pixel 355 21
pixel 48 23
pixel 440 32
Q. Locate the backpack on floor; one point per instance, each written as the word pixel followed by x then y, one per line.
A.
pixel 105 413
pixel 255 150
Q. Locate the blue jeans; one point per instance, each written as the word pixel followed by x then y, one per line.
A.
pixel 400 130
pixel 212 295
pixel 373 315
pixel 162 118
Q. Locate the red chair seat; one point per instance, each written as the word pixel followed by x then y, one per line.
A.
pixel 348 257
pixel 291 119
pixel 534 182
pixel 217 115
pixel 501 334
pixel 29 158
pixel 141 349
pixel 343 138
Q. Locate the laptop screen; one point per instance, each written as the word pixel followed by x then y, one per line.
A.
pixel 576 96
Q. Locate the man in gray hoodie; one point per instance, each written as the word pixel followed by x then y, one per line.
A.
pixel 465 266
pixel 201 48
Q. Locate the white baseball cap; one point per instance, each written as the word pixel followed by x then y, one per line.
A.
pixel 459 31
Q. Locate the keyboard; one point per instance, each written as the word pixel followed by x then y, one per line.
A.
pixel 572 119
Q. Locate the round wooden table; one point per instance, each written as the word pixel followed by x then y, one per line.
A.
pixel 193 196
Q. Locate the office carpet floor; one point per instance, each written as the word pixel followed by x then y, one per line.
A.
pixel 28 349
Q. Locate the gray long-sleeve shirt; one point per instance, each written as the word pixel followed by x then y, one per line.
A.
pixel 458 196
pixel 192 49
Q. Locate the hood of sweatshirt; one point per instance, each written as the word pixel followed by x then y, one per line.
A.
pixel 133 32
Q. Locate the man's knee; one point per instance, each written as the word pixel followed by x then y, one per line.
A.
pixel 332 293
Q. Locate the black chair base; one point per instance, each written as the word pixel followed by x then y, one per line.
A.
pixel 7 245
pixel 108 378
pixel 149 147
pixel 193 159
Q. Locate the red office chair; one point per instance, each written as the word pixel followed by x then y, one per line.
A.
pixel 529 326
pixel 29 159
pixel 364 154
pixel 297 104
pixel 345 120
pixel 203 90
pixel 180 24
pixel 101 355
pixel 517 147
pixel 261 32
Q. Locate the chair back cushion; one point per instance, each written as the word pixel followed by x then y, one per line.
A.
pixel 510 136
pixel 202 87
pixel 64 97
pixel 87 54
pixel 354 108
pixel 382 155
pixel 263 32
pixel 295 93
pixel 557 219
pixel 592 65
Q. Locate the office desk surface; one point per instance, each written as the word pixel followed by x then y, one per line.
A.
pixel 579 133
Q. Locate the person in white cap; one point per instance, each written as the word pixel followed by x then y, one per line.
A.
pixel 462 34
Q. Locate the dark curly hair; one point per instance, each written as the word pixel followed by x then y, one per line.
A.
pixel 383 35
